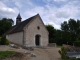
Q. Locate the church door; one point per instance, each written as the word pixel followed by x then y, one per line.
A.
pixel 37 40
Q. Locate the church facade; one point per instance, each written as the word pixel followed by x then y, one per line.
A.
pixel 30 32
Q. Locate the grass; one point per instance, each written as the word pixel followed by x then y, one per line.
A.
pixel 59 46
pixel 6 53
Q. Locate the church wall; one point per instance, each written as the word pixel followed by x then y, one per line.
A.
pixel 32 30
pixel 16 38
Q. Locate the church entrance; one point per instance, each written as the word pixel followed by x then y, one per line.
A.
pixel 37 40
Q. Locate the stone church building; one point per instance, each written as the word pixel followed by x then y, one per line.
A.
pixel 30 32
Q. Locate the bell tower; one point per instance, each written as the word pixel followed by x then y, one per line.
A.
pixel 18 19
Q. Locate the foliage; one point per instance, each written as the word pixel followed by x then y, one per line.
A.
pixel 69 33
pixel 58 37
pixel 5 25
pixel 71 30
pixel 77 42
pixel 6 53
pixel 63 52
pixel 51 30
pixel 3 40
pixel 55 36
pixel 0 39
pixel 7 42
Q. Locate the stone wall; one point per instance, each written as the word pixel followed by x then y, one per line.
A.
pixel 16 38
pixel 35 27
pixel 71 48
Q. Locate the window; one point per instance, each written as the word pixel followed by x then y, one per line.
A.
pixel 38 27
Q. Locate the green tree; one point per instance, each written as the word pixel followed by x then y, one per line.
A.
pixel 58 37
pixel 64 26
pixel 71 30
pixel 51 30
pixel 5 24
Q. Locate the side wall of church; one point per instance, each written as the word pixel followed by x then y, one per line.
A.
pixel 16 38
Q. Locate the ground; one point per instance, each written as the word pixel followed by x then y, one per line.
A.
pixel 47 53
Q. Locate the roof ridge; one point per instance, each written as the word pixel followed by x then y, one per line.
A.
pixel 20 26
pixel 29 18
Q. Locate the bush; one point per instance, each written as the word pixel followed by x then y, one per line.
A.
pixel 7 42
pixel 77 42
pixel 63 52
pixel 4 41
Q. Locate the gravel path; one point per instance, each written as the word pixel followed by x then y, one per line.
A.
pixel 46 54
pixel 49 53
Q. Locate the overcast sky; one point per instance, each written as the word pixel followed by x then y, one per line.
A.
pixel 52 12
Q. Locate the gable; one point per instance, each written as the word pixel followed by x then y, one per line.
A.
pixel 36 24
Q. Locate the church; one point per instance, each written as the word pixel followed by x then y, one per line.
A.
pixel 30 32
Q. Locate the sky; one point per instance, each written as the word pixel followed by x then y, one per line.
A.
pixel 52 12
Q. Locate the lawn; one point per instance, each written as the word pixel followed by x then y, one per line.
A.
pixel 6 53
pixel 59 46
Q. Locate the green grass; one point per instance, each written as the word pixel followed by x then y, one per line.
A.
pixel 6 53
pixel 59 46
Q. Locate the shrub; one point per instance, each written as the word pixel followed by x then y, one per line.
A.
pixel 77 42
pixel 63 52
pixel 7 42
pixel 4 41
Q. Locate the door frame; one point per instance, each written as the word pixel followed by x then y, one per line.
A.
pixel 37 42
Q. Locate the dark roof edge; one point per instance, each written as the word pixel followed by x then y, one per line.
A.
pixel 15 32
pixel 31 20
pixel 43 24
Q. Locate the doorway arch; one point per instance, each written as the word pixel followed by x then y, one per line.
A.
pixel 37 40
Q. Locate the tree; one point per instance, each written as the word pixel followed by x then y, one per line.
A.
pixel 5 24
pixel 71 30
pixel 51 30
pixel 64 26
